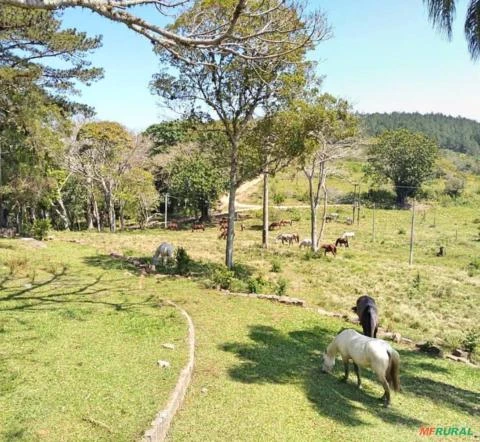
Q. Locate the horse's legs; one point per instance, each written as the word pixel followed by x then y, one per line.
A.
pixel 357 372
pixel 386 396
pixel 346 365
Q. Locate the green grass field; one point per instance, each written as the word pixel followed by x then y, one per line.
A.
pixel 80 334
pixel 79 346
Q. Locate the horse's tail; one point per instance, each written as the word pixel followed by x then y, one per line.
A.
pixel 393 370
pixel 334 250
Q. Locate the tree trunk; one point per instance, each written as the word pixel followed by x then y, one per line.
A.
pixel 96 213
pixel 231 204
pixel 325 204
pixel 89 210
pixel 111 213
pixel 121 216
pixel 265 211
pixel 205 212
pixel 63 212
pixel 313 215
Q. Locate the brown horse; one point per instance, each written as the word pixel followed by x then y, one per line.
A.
pixel 172 225
pixel 285 222
pixel 329 248
pixel 341 241
pixel 198 226
pixel 274 226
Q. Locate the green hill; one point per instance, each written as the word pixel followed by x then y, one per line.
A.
pixel 454 133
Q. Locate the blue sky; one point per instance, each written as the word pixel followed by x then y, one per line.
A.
pixel 384 56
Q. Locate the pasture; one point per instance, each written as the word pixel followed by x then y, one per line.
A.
pixel 72 315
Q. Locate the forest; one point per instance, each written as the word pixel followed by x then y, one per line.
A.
pixel 454 133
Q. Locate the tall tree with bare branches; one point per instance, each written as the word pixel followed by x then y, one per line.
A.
pixel 234 86
pixel 327 128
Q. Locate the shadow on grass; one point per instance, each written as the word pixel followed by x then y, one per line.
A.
pixel 189 267
pixel 295 358
pixel 61 289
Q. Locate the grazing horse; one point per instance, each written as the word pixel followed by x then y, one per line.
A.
pixel 329 248
pixel 288 237
pixel 331 217
pixel 348 235
pixel 366 309
pixel 164 251
pixel 284 222
pixel 377 354
pixel 172 225
pixel 198 226
pixel 307 242
pixel 274 226
pixel 341 241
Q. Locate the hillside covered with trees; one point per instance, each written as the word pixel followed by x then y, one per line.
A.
pixel 454 133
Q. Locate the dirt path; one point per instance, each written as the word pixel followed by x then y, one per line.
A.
pixel 245 190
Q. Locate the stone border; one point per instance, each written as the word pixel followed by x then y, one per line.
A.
pixel 163 420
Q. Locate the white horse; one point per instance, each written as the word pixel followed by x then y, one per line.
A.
pixel 165 251
pixel 365 352
pixel 307 242
pixel 347 235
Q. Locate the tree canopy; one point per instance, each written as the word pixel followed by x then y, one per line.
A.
pixel 403 158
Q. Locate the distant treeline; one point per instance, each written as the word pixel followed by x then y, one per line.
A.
pixel 454 133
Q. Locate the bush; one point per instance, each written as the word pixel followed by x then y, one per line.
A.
pixel 278 198
pixel 256 285
pixel 223 278
pixel 281 287
pixel 276 266
pixel 471 340
pixel 40 228
pixel 294 214
pixel 454 186
pixel 183 261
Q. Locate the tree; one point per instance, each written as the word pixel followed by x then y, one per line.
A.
pixel 197 180
pixel 327 128
pixel 104 153
pixel 233 87
pixel 226 35
pixel 442 14
pixel 275 140
pixel 404 158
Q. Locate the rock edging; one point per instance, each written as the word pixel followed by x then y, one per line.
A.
pixel 161 423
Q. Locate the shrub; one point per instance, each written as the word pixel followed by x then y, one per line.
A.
pixel 183 261
pixel 294 214
pixel 256 285
pixel 276 266
pixel 471 340
pixel 278 198
pixel 40 228
pixel 223 278
pixel 281 287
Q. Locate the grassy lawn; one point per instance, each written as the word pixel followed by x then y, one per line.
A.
pixel 79 345
pixel 258 378
pixel 79 342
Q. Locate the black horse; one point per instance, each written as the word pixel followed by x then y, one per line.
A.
pixel 366 310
